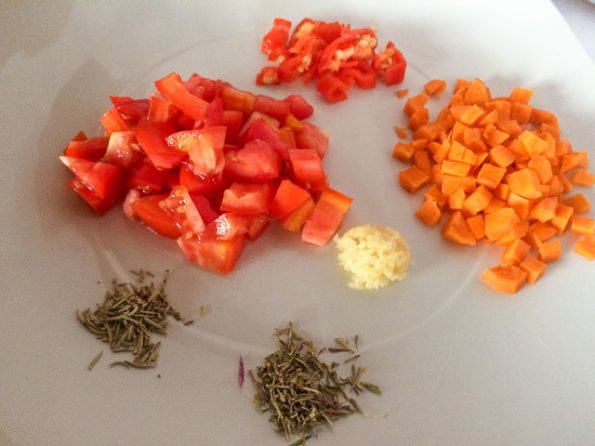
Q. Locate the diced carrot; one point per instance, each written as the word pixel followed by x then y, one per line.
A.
pixel 490 175
pixel 574 159
pixel 500 222
pixel 480 158
pixel 502 191
pixel 492 117
pixel 477 226
pixel 451 183
pixel 461 84
pixel 457 151
pixel 495 205
pixel 433 193
pixel 413 178
pixel 416 103
pixel 504 279
pixel 539 233
pixel 567 185
pixel 583 225
pixel 515 253
pixel 521 205
pixel 579 203
pixel 421 159
pixel 509 126
pixel 534 268
pixel 550 251
pixel 519 151
pixel 583 177
pixel 502 107
pixel 403 151
pixel 556 187
pixel 457 230
pixel 533 143
pixel 478 200
pixel 552 129
pixel 419 144
pixel 420 117
pixel 520 112
pixel 437 175
pixel 525 183
pixel 476 93
pixel 435 86
pixel 456 200
pixel 544 210
pixel 473 114
pixel 538 116
pixel 456 168
pixel 562 217
pixel 402 93
pixel 400 131
pixel 501 156
pixel 430 131
pixel 562 147
pixel 520 94
pixel 429 213
pixel 492 136
pixel 518 231
pixel 473 139
pixel 586 247
pixel 542 167
pixel 442 153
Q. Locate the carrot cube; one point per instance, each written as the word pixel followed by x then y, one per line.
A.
pixel 541 165
pixel 435 86
pixel 586 247
pixel 457 230
pixel 544 210
pixel 403 151
pixel 429 213
pixel 515 253
pixel 550 251
pixel 478 200
pixel 505 279
pixel 525 183
pixel 583 225
pixel 416 103
pixel 583 177
pixel 455 168
pixel 490 175
pixel 477 226
pixel 562 217
pixel 413 178
pixel 579 203
pixel 501 156
pixel 533 267
pixel 500 222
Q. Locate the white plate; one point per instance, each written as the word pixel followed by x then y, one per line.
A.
pixel 458 364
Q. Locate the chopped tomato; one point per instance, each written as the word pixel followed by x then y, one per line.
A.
pixel 200 184
pixel 307 169
pixel 298 106
pixel 264 131
pixel 151 138
pixel 272 107
pixel 147 178
pixel 232 119
pixel 164 221
pixel 176 92
pixel 204 148
pixel 258 223
pixel 202 87
pixel 312 137
pixel 288 198
pixel 212 254
pixel 246 198
pixel 160 110
pixel 113 122
pixel 214 114
pixel 91 149
pixel 133 110
pixel 257 162
pixel 234 99
pixel 123 150
pixel 180 201
pixel 326 217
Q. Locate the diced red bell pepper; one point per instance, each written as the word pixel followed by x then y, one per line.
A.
pixel 175 91
pixel 216 255
pixel 326 217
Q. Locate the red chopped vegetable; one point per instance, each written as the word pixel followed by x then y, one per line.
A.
pixel 333 54
pixel 208 164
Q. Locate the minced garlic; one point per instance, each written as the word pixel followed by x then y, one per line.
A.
pixel 374 255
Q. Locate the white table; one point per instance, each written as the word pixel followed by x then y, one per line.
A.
pixel 580 16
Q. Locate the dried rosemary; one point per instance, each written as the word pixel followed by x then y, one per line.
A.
pixel 300 391
pixel 128 315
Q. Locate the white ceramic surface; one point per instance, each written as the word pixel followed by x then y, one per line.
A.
pixel 458 364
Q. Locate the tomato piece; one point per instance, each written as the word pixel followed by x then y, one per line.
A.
pixel 312 137
pixel 98 204
pixel 264 131
pixel 298 106
pixel 204 148
pixel 152 139
pixel 326 217
pixel 288 137
pixel 160 110
pixel 228 226
pixel 180 201
pixel 131 197
pixel 102 178
pixel 234 99
pixel 258 223
pixel 123 150
pixel 391 64
pixel 257 162
pixel 216 255
pixel 166 222
pixel 113 122
pixel 146 178
pixel 333 87
pixel 294 221
pixel 268 76
pixel 274 43
pixel 132 109
pixel 247 198
pixel 288 197
pixel 307 169
pixel 92 149
pixel 199 184
pixel 232 119
pixel 175 91
pixel 271 107
pixel 204 208
pixel 214 114
pixel 202 87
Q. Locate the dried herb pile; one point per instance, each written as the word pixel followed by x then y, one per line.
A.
pixel 128 315
pixel 301 391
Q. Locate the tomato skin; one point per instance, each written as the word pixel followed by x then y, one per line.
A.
pixel 288 197
pixel 92 149
pixel 175 91
pixel 166 222
pixel 151 138
pixel 246 198
pixel 312 137
pixel 326 217
pixel 216 255
pixel 256 162
pixel 299 107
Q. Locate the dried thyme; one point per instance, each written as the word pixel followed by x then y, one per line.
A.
pixel 300 391
pixel 128 315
